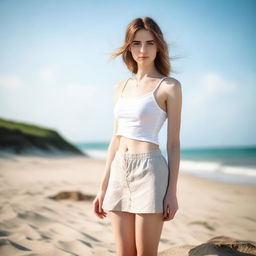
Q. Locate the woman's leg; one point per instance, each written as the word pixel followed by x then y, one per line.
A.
pixel 148 232
pixel 123 226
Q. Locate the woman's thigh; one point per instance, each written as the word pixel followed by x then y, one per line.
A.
pixel 148 232
pixel 123 226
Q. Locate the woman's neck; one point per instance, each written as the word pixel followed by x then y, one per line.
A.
pixel 145 72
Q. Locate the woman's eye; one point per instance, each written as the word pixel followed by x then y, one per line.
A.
pixel 137 43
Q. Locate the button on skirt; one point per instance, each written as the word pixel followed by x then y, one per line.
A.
pixel 138 182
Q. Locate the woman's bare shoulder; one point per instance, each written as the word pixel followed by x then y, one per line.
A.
pixel 120 84
pixel 172 84
pixel 118 88
pixel 172 81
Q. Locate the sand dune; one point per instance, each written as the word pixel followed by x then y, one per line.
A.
pixel 221 245
pixel 46 209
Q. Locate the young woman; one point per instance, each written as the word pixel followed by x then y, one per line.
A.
pixel 138 188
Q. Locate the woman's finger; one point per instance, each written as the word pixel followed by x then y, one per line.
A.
pixel 166 214
pixel 100 209
pixel 95 207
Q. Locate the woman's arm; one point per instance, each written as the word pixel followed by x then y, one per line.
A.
pixel 112 148
pixel 113 145
pixel 174 106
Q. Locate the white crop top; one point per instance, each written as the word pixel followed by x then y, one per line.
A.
pixel 139 118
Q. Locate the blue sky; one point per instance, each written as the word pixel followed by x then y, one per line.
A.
pixel 55 69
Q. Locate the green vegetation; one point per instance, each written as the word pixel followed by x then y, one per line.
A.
pixel 21 137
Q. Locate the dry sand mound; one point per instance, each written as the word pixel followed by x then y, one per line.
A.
pixel 73 195
pixel 217 246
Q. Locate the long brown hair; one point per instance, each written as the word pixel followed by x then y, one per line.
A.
pixel 162 60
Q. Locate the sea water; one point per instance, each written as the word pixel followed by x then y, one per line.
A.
pixel 226 164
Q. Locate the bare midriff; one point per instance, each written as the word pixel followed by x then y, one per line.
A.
pixel 134 146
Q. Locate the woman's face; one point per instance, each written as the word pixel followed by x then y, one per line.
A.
pixel 143 44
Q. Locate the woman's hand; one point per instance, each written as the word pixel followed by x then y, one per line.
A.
pixel 97 205
pixel 170 206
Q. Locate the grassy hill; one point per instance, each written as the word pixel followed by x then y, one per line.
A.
pixel 20 138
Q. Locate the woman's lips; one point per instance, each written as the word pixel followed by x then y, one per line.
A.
pixel 143 57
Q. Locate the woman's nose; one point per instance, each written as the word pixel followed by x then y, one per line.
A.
pixel 142 48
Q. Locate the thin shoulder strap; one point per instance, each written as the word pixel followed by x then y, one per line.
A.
pixel 159 83
pixel 124 86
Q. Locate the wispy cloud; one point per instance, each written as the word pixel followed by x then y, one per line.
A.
pixel 67 107
pixel 218 111
pixel 48 75
pixel 209 88
pixel 10 82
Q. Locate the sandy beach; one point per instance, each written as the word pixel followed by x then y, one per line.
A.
pixel 31 223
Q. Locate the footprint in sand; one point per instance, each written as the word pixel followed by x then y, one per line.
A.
pixel 203 223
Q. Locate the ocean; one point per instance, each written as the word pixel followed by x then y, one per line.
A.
pixel 235 165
